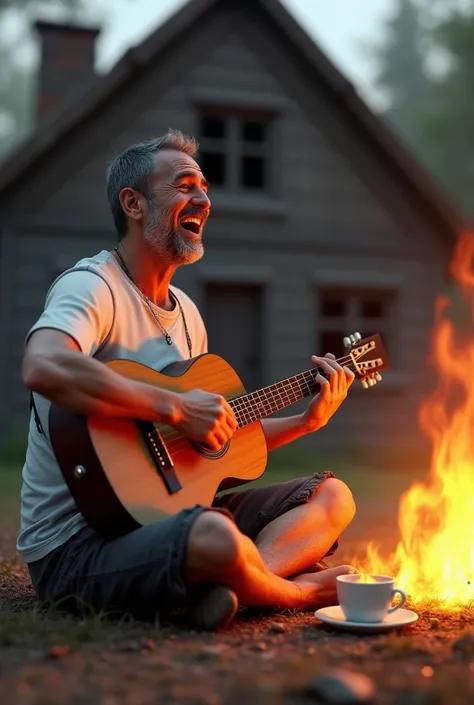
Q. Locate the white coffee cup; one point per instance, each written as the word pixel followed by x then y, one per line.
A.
pixel 363 601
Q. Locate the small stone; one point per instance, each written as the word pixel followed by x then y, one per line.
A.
pixel 213 649
pixel 59 651
pixel 340 687
pixel 311 651
pixel 148 644
pixel 277 628
pixel 465 644
pixel 434 621
pixel 36 655
pixel 210 652
pixel 268 656
pixel 260 646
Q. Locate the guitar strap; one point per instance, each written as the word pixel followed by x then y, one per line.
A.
pixel 38 423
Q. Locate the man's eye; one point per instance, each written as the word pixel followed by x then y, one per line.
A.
pixel 186 187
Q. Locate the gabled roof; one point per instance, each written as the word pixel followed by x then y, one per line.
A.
pixel 373 133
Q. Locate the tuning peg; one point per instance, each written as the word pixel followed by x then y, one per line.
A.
pixel 371 382
pixel 364 383
pixel 378 377
pixel 352 339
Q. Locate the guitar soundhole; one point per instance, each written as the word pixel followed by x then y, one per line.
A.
pixel 207 452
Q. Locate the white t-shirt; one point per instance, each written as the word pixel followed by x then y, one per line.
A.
pixel 97 305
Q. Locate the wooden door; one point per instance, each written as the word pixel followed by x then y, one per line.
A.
pixel 233 315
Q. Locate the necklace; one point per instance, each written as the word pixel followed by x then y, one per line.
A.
pixel 166 335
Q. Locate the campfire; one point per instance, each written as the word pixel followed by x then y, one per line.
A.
pixel 434 559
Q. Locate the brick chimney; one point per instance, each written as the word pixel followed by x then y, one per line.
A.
pixel 66 65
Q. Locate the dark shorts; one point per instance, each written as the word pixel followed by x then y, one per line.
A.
pixel 144 568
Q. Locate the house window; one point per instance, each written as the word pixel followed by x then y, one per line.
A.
pixel 235 150
pixel 344 311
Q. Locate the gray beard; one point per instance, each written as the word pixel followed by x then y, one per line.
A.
pixel 166 241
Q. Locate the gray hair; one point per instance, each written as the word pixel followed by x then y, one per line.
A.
pixel 135 167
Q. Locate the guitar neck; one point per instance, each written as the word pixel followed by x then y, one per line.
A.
pixel 278 396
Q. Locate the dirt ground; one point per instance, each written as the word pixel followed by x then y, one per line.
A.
pixel 50 659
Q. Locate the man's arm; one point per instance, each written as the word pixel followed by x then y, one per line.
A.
pixel 58 364
pixel 55 367
pixel 281 431
pixel 334 388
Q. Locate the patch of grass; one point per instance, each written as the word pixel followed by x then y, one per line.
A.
pixel 10 481
pixel 13 448
pixel 48 627
pixel 365 480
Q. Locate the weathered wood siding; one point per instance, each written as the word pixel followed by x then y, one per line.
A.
pixel 333 211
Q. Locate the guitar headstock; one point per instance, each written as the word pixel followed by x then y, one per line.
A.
pixel 368 358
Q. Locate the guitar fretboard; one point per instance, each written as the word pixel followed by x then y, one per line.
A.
pixel 278 396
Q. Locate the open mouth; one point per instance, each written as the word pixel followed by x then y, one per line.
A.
pixel 192 224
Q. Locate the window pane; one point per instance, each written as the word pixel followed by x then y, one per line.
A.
pixel 213 167
pixel 372 307
pixel 253 172
pixel 212 126
pixel 331 342
pixel 254 131
pixel 332 306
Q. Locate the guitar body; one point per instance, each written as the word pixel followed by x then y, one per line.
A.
pixel 124 473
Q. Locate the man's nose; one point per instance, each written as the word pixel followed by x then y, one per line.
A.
pixel 201 199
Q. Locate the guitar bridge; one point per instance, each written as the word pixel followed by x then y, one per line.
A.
pixel 160 456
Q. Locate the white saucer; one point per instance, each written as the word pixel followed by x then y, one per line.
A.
pixel 335 617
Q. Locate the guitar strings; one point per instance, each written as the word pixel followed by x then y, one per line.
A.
pixel 175 441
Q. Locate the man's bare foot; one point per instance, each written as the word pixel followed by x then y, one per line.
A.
pixel 321 587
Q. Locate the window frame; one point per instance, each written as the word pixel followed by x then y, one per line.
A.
pixel 234 148
pixel 353 321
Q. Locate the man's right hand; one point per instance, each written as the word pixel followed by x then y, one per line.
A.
pixel 206 418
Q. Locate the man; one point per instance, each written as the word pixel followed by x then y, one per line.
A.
pixel 258 547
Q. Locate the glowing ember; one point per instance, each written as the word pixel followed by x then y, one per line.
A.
pixel 434 560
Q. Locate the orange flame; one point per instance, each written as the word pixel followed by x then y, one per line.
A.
pixel 365 578
pixel 434 559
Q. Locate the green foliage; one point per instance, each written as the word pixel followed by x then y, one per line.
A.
pixel 447 134
pixel 17 83
pixel 400 57
pixel 435 114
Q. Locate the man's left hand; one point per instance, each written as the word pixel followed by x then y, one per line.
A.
pixel 333 392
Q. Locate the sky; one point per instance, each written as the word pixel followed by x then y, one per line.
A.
pixel 341 27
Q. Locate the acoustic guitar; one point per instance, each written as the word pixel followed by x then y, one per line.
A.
pixel 125 473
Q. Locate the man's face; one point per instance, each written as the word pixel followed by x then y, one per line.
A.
pixel 178 208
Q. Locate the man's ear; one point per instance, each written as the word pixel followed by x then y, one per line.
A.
pixel 131 203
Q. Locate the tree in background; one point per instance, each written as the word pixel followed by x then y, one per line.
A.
pixel 17 81
pixel 432 109
pixel 446 134
pixel 400 57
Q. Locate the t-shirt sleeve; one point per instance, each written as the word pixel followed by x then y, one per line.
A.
pixel 79 303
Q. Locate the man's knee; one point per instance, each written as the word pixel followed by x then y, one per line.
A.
pixel 337 500
pixel 214 544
